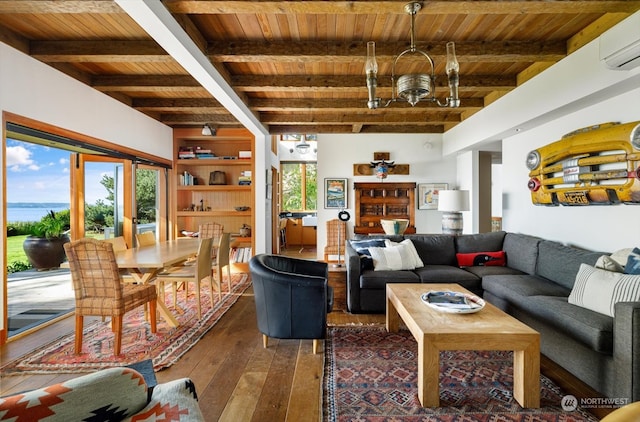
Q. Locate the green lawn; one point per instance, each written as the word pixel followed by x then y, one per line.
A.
pixel 15 253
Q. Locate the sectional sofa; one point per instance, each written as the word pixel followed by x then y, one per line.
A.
pixel 534 282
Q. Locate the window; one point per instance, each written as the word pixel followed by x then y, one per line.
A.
pixel 299 186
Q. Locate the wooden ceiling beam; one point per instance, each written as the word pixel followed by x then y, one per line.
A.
pixel 197 119
pixel 310 83
pixel 432 7
pixel 99 51
pixel 322 128
pixel 179 105
pixel 425 118
pixel 141 51
pixel 320 104
pixel 67 7
pixel 318 52
pixel 318 83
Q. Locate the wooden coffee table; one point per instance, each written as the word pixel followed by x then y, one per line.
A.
pixel 488 329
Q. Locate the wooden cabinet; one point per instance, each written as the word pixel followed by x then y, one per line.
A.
pixel 196 202
pixel 380 201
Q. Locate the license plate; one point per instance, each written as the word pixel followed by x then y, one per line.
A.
pixel 576 198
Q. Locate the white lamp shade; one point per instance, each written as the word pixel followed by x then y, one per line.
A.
pixel 453 200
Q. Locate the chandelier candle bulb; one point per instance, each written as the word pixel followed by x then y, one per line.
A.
pixel 371 70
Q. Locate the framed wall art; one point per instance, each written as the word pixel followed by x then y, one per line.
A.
pixel 335 193
pixel 428 195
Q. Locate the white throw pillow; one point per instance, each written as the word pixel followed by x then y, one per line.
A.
pixel 607 263
pixel 599 290
pixel 417 262
pixel 392 258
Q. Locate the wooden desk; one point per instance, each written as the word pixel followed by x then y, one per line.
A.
pixel 488 329
pixel 145 262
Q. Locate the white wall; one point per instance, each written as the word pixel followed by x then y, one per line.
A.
pixel 603 228
pixel 576 92
pixel 32 89
pixel 338 153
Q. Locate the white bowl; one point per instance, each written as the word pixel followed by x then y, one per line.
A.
pixel 395 226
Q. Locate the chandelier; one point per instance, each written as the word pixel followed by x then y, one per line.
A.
pixel 413 87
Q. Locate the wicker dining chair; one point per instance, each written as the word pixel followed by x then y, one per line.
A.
pixel 336 234
pixel 190 273
pixel 211 231
pixel 99 290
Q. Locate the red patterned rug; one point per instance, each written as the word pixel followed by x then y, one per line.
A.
pixel 371 376
pixel 164 347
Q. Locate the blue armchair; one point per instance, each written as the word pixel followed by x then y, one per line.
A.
pixel 292 297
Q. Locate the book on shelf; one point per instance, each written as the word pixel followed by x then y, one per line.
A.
pixel 245 178
pixel 240 255
pixel 186 179
pixel 186 153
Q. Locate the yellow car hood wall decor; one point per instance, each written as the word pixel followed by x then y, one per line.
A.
pixel 597 165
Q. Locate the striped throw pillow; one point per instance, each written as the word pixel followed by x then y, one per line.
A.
pixel 599 290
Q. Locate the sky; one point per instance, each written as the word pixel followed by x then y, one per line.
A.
pixel 38 173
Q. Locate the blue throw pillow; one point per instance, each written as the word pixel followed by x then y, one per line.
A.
pixel 633 262
pixel 362 246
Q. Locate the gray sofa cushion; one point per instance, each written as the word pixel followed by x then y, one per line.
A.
pixel 436 249
pixel 561 263
pixel 591 328
pixel 481 242
pixel 521 251
pixel 444 274
pixel 447 274
pixel 516 288
pixel 485 270
pixel 378 279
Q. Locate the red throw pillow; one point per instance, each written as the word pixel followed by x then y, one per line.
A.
pixel 475 259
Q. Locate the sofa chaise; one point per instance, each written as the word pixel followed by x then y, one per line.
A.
pixel 533 281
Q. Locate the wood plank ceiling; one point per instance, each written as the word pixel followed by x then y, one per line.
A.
pixel 299 65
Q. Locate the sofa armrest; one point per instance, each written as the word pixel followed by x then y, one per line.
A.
pixel 176 400
pixel 352 263
pixel 626 349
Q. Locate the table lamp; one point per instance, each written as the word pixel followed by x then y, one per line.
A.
pixel 452 203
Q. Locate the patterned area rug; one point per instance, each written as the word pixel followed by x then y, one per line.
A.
pixel 164 347
pixel 371 376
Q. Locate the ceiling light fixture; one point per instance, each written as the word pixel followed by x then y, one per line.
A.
pixel 417 86
pixel 303 146
pixel 208 130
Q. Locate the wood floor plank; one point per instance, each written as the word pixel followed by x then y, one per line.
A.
pixel 244 398
pixel 306 389
pixel 273 401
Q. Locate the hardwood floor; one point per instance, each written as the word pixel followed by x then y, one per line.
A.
pixel 239 380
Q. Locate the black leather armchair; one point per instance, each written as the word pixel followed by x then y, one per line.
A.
pixel 292 297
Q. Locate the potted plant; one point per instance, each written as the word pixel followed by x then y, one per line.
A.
pixel 44 247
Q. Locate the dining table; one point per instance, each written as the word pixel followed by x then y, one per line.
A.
pixel 144 262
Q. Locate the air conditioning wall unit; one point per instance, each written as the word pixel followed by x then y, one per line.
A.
pixel 620 45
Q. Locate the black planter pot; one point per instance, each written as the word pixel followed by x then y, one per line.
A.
pixel 43 253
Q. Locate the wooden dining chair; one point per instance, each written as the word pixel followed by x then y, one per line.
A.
pixel 99 290
pixel 189 273
pixel 146 239
pixel 220 261
pixel 118 242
